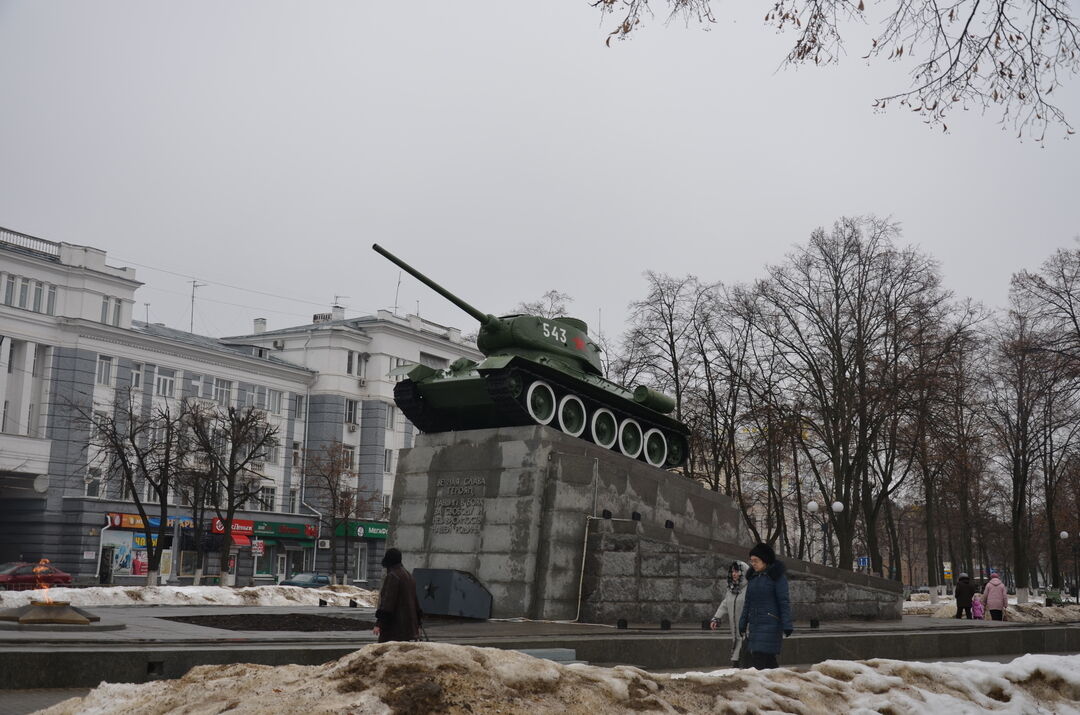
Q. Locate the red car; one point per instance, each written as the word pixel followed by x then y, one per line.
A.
pixel 20 576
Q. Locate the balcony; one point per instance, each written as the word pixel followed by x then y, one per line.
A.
pixel 24 455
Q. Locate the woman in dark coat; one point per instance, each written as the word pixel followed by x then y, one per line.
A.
pixel 766 615
pixel 398 615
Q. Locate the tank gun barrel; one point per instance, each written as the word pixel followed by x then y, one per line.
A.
pixel 484 318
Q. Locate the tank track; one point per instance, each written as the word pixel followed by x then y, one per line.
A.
pixel 508 409
pixel 519 411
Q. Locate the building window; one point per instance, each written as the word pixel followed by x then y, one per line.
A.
pixel 104 370
pixel 350 412
pixel 50 303
pixel 391 416
pixel 388 460
pixel 24 292
pixel 164 386
pixel 222 391
pixel 39 294
pixel 395 363
pixel 273 454
pixel 275 401
pixel 294 501
pixel 136 376
pixel 349 362
pixel 93 483
pixel 348 457
pixel 117 305
pixel 9 291
pixel 296 454
pixel 105 309
pixel 267 498
pixel 298 406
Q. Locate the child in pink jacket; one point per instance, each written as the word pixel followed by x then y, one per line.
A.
pixel 995 597
pixel 977 610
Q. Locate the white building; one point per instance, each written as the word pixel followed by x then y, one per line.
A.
pixel 68 344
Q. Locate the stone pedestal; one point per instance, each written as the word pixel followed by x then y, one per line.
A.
pixel 511 507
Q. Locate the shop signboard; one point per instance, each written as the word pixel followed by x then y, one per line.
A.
pixel 258 547
pixel 134 521
pixel 241 527
pixel 284 530
pixel 364 529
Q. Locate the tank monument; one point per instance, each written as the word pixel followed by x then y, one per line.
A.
pixel 558 492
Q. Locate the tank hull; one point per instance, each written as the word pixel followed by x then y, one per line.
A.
pixel 497 394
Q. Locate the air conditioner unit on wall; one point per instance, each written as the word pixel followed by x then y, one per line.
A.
pixel 324 543
pixel 351 426
pixel 362 382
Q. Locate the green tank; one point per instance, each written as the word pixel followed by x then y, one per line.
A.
pixel 539 371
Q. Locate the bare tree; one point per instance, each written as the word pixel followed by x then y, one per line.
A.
pixel 146 449
pixel 233 444
pixel 1015 390
pixel 331 481
pixel 552 304
pixel 1008 55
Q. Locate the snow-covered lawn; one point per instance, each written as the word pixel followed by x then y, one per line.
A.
pixel 194 596
pixel 438 677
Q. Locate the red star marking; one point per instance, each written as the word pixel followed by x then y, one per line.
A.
pixel 579 343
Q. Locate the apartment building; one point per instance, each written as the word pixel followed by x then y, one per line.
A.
pixel 68 345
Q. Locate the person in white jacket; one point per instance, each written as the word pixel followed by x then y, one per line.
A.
pixel 732 607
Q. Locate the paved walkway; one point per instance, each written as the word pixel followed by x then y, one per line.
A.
pixel 21 702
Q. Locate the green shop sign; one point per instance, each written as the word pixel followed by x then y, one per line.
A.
pixel 363 529
pixel 283 530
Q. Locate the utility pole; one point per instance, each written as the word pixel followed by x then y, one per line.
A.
pixel 191 324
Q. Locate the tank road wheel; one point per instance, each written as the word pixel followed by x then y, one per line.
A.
pixel 630 438
pixel 676 451
pixel 572 415
pixel 605 428
pixel 540 401
pixel 655 448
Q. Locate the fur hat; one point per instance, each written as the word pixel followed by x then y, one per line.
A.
pixel 392 557
pixel 764 552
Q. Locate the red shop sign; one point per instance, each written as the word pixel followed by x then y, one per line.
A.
pixel 239 526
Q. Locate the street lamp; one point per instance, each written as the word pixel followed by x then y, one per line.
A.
pixel 1076 562
pixel 813 507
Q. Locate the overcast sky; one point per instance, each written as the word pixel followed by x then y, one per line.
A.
pixel 499 146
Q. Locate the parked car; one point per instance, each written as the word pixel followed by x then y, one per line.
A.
pixel 20 576
pixel 308 579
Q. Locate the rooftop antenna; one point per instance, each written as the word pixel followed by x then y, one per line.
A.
pixel 191 324
pixel 337 299
pixel 418 308
pixel 396 292
pixel 147 306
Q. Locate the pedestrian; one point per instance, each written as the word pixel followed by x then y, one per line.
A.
pixel 964 592
pixel 995 597
pixel 398 616
pixel 731 607
pixel 978 612
pixel 766 614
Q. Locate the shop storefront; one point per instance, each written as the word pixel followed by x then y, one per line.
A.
pixel 277 549
pixel 123 554
pixel 362 551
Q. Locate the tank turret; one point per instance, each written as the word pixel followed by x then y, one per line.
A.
pixel 539 370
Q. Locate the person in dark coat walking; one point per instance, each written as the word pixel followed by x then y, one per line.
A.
pixel 766 615
pixel 965 590
pixel 398 616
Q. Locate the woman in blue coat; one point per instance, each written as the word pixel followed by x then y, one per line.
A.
pixel 766 614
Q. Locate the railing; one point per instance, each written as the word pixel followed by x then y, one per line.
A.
pixel 22 240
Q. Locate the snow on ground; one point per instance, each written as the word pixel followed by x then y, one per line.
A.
pixel 194 596
pixel 439 677
pixel 1034 611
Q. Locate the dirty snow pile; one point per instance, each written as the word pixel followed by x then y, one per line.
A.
pixel 439 677
pixel 194 596
pixel 1030 612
